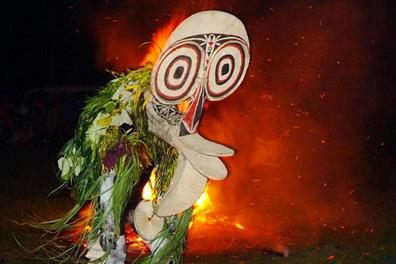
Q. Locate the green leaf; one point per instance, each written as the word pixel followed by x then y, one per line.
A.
pixel 110 106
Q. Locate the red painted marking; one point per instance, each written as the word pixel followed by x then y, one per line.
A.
pixel 190 114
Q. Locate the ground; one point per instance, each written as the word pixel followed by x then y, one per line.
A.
pixel 28 176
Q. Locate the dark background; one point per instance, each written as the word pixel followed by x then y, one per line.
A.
pixel 42 47
pixel 47 43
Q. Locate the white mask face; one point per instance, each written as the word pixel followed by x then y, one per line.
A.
pixel 206 57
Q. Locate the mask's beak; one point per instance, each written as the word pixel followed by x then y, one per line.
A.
pixel 193 114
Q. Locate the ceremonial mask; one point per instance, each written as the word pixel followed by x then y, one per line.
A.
pixel 206 58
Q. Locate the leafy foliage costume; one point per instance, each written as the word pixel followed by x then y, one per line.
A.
pixel 144 123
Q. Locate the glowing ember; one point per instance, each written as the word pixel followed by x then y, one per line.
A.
pixel 239 226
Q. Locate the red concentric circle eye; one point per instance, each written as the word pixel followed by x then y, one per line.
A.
pixel 177 72
pixel 226 70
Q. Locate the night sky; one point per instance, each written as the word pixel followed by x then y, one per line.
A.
pixel 46 43
pixel 42 47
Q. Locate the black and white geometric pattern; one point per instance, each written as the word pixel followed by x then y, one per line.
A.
pixel 168 112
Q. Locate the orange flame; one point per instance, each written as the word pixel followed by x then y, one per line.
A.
pixel 135 244
pixel 83 223
pixel 160 39
pixel 148 190
pixel 203 204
